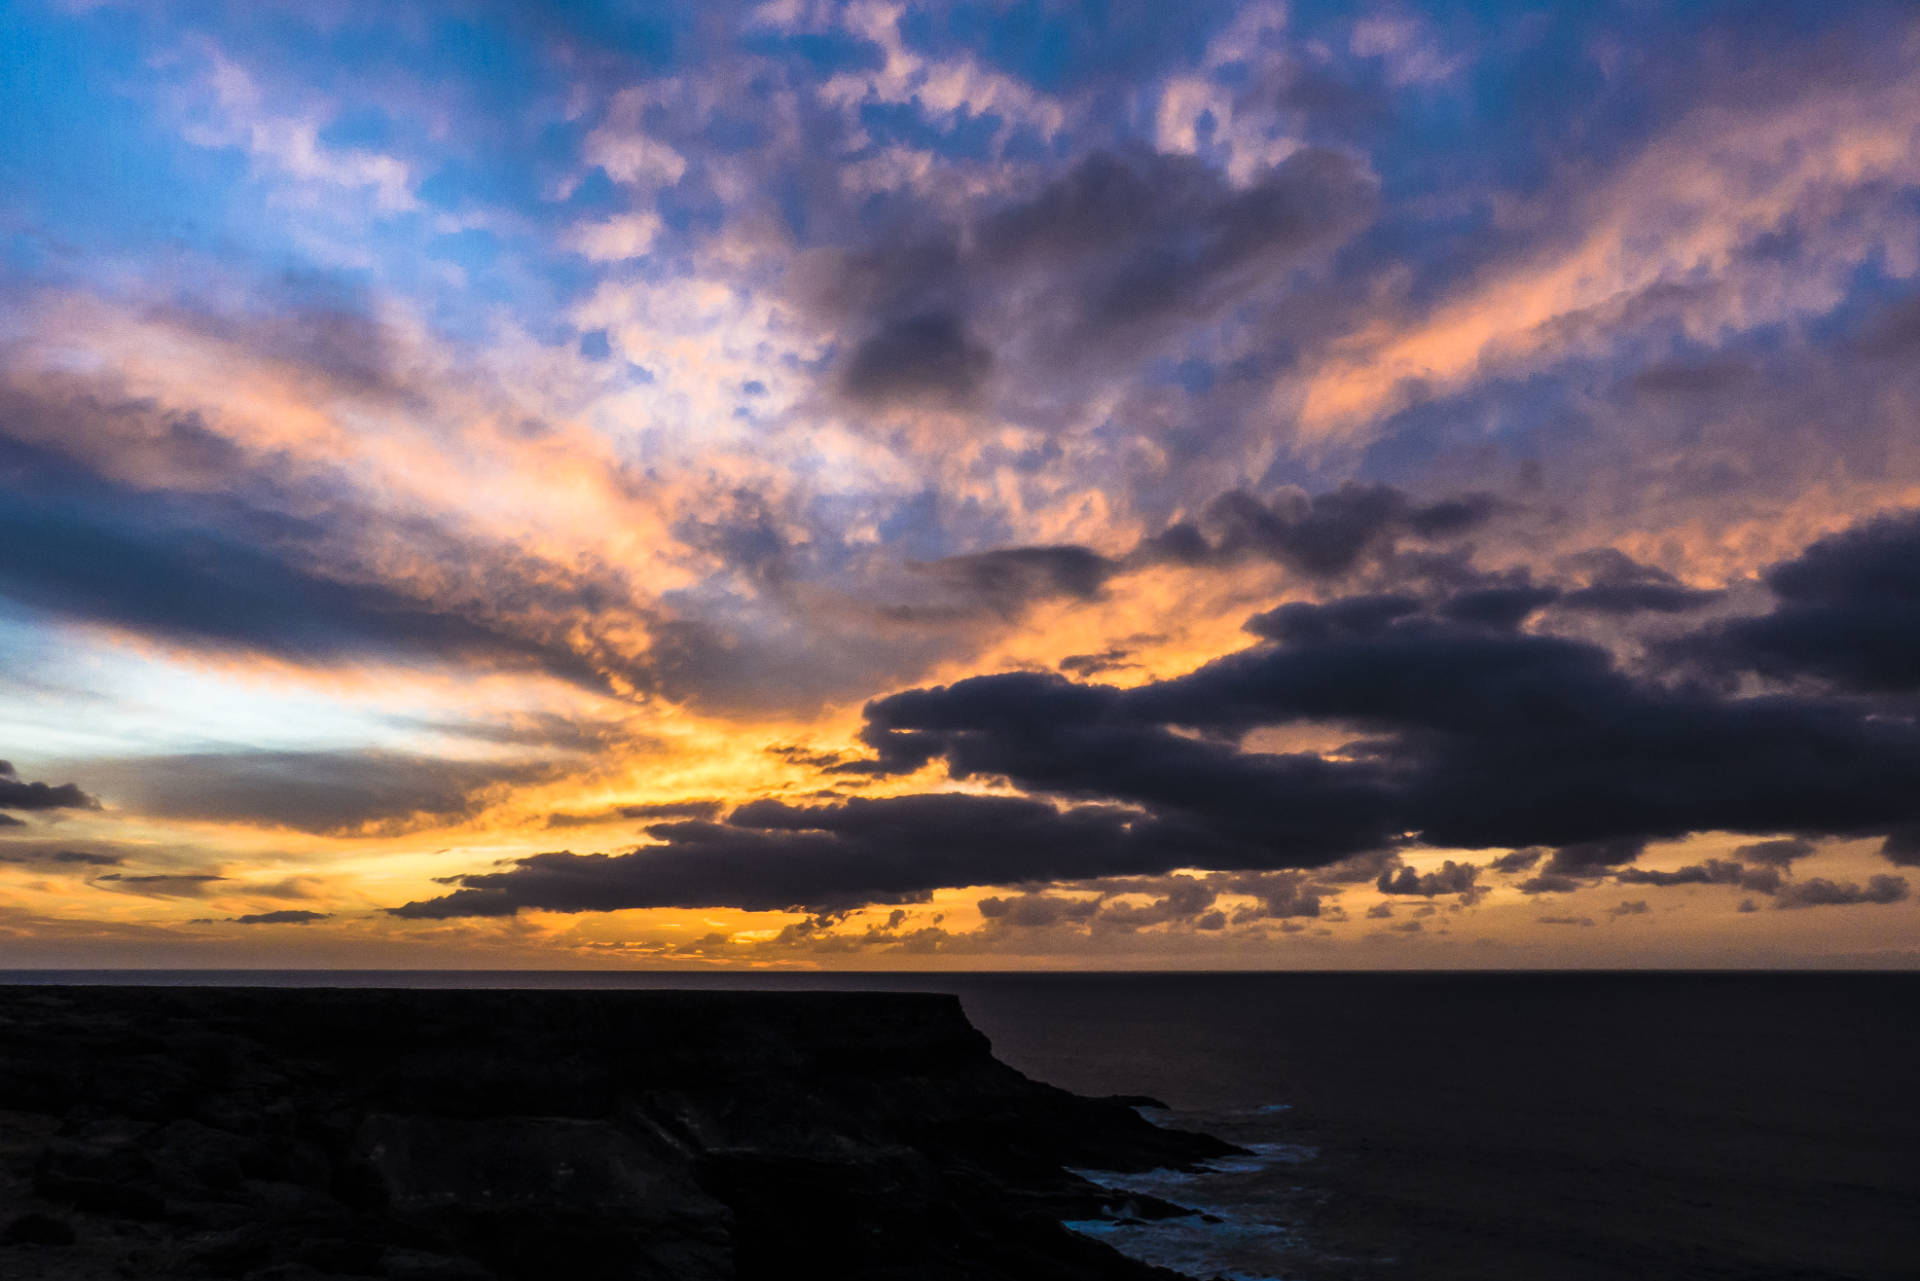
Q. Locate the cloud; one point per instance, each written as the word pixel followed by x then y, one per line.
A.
pixel 1502 608
pixel 1131 322
pixel 1765 879
pixel 218 572
pixel 1109 905
pixel 1410 50
pixel 1028 910
pixel 161 884
pixel 1478 739
pixel 1325 535
pixel 1112 659
pixel 1449 878
pixel 1517 861
pixel 1619 585
pixel 1708 224
pixel 1594 858
pixel 772 856
pixel 703 809
pixel 1500 740
pixel 1104 263
pixel 18 794
pixel 1321 535
pixel 1280 895
pixel 289 916
pixel 1006 580
pixel 617 239
pixel 1818 891
pixel 926 357
pixel 1849 607
pixel 1634 598
pixel 341 793
pixel 56 856
pixel 1780 853
pixel 1902 847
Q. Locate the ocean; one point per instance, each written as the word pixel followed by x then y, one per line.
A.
pixel 1554 1127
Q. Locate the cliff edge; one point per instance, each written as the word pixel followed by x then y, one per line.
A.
pixel 295 1134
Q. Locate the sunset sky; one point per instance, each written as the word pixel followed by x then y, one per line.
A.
pixel 959 485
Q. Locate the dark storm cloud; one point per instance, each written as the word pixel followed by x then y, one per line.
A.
pixel 322 792
pixel 1552 883
pixel 1902 847
pixel 1780 853
pixel 1280 895
pixel 1501 608
pixel 1848 612
pixel 1515 740
pixel 1449 878
pixel 288 916
pixel 1048 735
pixel 18 794
pixel 1181 899
pixel 1517 861
pixel 1818 891
pixel 770 855
pixel 1593 858
pixel 1715 871
pixel 1473 737
pixel 1358 869
pixel 1500 739
pixel 1348 619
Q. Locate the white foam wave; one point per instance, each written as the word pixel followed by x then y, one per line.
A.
pixel 1231 1233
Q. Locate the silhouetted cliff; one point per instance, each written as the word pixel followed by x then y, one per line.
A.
pixel 564 1136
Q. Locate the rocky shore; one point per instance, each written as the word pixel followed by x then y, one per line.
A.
pixel 566 1136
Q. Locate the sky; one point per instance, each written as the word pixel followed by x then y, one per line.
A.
pixel 977 485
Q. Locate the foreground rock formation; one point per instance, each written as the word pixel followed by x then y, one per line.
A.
pixel 566 1136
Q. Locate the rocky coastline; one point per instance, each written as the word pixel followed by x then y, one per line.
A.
pixel 279 1134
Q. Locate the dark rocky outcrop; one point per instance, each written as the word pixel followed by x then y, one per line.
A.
pixel 467 1135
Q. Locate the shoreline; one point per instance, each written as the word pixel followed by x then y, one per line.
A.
pixel 461 1134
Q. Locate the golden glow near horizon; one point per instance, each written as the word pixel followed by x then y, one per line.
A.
pixel 552 438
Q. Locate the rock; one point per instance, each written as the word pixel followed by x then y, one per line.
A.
pixel 101 1196
pixel 34 1228
pixel 501 1136
pixel 399 1264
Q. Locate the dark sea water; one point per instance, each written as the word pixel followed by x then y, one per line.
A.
pixel 1555 1127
